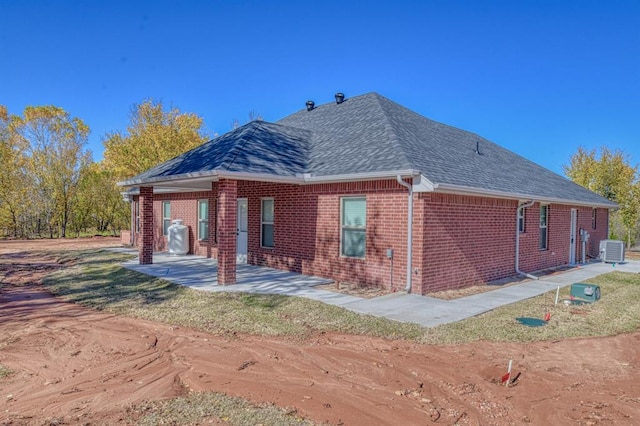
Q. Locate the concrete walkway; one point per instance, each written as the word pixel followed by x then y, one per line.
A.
pixel 201 273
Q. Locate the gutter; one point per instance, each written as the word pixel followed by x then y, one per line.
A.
pixel 469 190
pixel 409 230
pixel 298 179
pixel 520 207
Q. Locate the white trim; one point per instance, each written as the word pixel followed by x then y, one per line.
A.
pixel 546 227
pixel 301 179
pixel 420 184
pixel 351 177
pixel 467 190
pixel 167 202
pixel 573 236
pixel 262 222
pixel 364 228
pixel 199 220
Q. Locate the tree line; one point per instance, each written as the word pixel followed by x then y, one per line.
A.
pixel 609 173
pixel 51 187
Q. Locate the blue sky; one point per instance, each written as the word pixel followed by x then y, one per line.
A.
pixel 537 77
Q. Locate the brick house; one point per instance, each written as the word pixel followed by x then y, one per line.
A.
pixel 363 190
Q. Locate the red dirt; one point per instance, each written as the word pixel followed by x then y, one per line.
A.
pixel 74 365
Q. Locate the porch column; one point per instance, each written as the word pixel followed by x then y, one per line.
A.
pixel 145 250
pixel 227 230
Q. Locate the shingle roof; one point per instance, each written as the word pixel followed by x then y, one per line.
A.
pixel 258 147
pixel 369 134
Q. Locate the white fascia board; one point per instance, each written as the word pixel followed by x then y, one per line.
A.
pixel 353 177
pixel 260 177
pixel 467 190
pixel 422 184
pixel 176 178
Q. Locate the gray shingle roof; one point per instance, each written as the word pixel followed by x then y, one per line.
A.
pixel 369 134
pixel 258 147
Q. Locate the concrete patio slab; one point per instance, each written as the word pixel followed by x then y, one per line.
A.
pixel 201 273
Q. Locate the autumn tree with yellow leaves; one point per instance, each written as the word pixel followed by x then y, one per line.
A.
pixel 610 174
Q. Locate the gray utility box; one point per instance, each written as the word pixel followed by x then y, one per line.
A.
pixel 586 293
pixel 612 251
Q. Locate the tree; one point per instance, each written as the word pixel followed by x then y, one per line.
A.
pixel 13 180
pixel 154 135
pixel 610 175
pixel 55 157
pixel 100 204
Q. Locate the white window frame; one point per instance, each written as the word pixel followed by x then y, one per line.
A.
pixel 521 220
pixel 166 220
pixel 136 213
pixel 264 222
pixel 544 227
pixel 203 221
pixel 344 227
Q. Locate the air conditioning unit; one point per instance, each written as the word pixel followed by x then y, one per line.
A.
pixel 612 251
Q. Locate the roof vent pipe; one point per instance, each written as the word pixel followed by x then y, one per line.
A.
pixel 310 105
pixel 339 98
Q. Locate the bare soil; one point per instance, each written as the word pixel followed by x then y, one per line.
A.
pixel 74 365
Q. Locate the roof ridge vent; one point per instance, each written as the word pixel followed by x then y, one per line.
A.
pixel 310 105
pixel 339 98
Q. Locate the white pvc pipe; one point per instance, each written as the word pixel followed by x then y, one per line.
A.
pixel 409 231
pixel 520 207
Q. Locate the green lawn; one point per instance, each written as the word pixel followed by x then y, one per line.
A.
pixel 97 280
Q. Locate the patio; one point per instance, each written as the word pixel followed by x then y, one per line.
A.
pixel 201 273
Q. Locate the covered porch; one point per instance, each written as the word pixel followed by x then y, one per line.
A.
pixel 201 273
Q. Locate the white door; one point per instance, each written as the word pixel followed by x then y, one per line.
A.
pixel 572 236
pixel 241 254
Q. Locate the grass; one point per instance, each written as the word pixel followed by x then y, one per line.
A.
pixel 98 281
pixel 4 371
pixel 200 407
pixel 614 314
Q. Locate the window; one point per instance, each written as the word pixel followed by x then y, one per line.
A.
pixel 166 217
pixel 544 219
pixel 594 223
pixel 266 222
pixel 521 220
pixel 353 224
pixel 136 207
pixel 203 220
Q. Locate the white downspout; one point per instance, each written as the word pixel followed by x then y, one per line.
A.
pixel 409 231
pixel 520 207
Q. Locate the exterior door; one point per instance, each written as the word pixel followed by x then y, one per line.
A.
pixel 572 236
pixel 241 254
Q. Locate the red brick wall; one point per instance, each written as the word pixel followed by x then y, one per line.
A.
pixel 458 240
pixel 183 206
pixel 307 230
pixel 146 225
pixel 559 230
pixel 467 240
pixel 471 240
